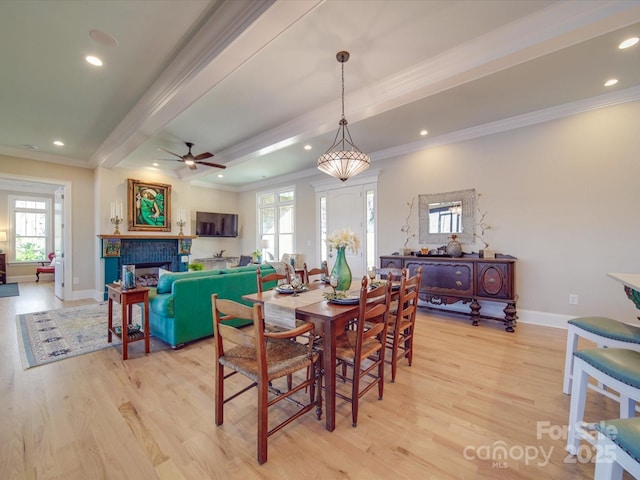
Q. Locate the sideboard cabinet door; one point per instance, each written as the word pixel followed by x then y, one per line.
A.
pixel 495 280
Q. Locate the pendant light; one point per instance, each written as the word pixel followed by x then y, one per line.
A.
pixel 343 159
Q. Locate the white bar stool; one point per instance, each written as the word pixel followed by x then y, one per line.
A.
pixel 618 449
pixel 604 332
pixel 617 368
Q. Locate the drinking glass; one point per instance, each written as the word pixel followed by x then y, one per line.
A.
pixel 372 273
pixel 333 281
pixel 296 283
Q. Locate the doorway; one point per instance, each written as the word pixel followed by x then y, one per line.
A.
pixel 60 191
pixel 351 205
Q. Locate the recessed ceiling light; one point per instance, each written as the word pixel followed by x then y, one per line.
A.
pixel 93 60
pixel 220 175
pixel 31 147
pixel 58 143
pixel 155 164
pixel 611 82
pixel 307 147
pixel 103 38
pixel 629 42
pixel 423 132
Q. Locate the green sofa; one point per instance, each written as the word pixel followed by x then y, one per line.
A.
pixel 180 306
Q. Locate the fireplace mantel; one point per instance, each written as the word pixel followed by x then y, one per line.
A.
pixel 147 237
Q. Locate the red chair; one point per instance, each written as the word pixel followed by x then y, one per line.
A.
pixel 43 268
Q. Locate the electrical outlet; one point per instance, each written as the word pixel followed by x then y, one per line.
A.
pixel 76 280
pixel 573 299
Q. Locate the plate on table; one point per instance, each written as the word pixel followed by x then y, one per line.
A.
pixel 286 288
pixel 377 283
pixel 344 298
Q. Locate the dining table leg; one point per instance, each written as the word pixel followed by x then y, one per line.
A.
pixel 329 360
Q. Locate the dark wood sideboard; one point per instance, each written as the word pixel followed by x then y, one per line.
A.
pixel 467 279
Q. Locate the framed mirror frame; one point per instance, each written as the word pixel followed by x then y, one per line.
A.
pixel 468 199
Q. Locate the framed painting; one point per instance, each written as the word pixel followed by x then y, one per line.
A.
pixel 149 206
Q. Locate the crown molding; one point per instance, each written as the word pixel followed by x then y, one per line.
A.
pixel 519 121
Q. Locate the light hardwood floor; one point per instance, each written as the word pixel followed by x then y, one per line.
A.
pixel 470 391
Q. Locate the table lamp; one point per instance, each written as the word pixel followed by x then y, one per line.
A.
pixel 3 238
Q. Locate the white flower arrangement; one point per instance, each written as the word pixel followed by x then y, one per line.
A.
pixel 344 238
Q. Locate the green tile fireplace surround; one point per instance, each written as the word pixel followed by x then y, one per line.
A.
pixel 144 251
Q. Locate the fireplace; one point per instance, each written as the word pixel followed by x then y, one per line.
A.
pixel 148 254
pixel 147 273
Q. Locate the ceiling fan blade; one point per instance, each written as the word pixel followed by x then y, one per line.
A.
pixel 162 149
pixel 202 156
pixel 215 165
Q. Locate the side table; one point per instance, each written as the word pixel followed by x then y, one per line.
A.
pixel 127 298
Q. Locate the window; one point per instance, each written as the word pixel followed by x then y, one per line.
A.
pixel 31 228
pixel 276 222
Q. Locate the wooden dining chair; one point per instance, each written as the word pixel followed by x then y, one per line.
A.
pixel 272 277
pixel 362 350
pixel 323 271
pixel 402 320
pixel 264 357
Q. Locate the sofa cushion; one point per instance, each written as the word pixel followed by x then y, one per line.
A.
pixel 165 282
pixel 248 268
pixel 162 304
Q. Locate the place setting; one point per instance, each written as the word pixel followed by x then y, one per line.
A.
pixel 340 297
pixel 294 288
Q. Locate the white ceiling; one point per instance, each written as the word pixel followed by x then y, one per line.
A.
pixel 252 82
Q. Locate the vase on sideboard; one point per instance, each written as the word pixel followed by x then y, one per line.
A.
pixel 454 249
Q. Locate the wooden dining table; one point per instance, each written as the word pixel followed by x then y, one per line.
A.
pixel 329 319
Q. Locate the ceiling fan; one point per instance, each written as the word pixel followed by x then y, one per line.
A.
pixel 190 160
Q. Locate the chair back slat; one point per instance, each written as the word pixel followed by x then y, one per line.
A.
pixel 272 277
pixel 323 271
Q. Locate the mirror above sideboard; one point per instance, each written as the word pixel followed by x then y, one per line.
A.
pixel 442 214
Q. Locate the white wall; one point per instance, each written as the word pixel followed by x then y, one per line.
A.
pixel 560 196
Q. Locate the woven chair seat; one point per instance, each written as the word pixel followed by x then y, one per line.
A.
pixel 346 345
pixel 283 357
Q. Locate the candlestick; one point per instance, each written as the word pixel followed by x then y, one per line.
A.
pixel 116 221
pixel 181 223
pixel 116 216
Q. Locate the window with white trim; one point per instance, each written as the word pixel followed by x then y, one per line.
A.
pixel 31 238
pixel 276 223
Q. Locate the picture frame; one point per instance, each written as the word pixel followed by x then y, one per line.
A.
pixel 148 206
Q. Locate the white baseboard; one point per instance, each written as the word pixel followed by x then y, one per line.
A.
pixel 495 309
pixel 544 319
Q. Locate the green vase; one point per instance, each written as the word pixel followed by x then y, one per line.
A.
pixel 342 270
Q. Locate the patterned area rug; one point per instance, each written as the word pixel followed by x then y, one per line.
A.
pixel 9 290
pixel 53 335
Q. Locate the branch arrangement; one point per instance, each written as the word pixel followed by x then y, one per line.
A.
pixel 482 225
pixel 407 227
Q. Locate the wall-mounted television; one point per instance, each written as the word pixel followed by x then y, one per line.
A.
pixel 210 224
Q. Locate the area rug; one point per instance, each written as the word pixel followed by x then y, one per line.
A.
pixel 9 290
pixel 53 335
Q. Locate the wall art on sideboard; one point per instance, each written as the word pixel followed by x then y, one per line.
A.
pixel 149 206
